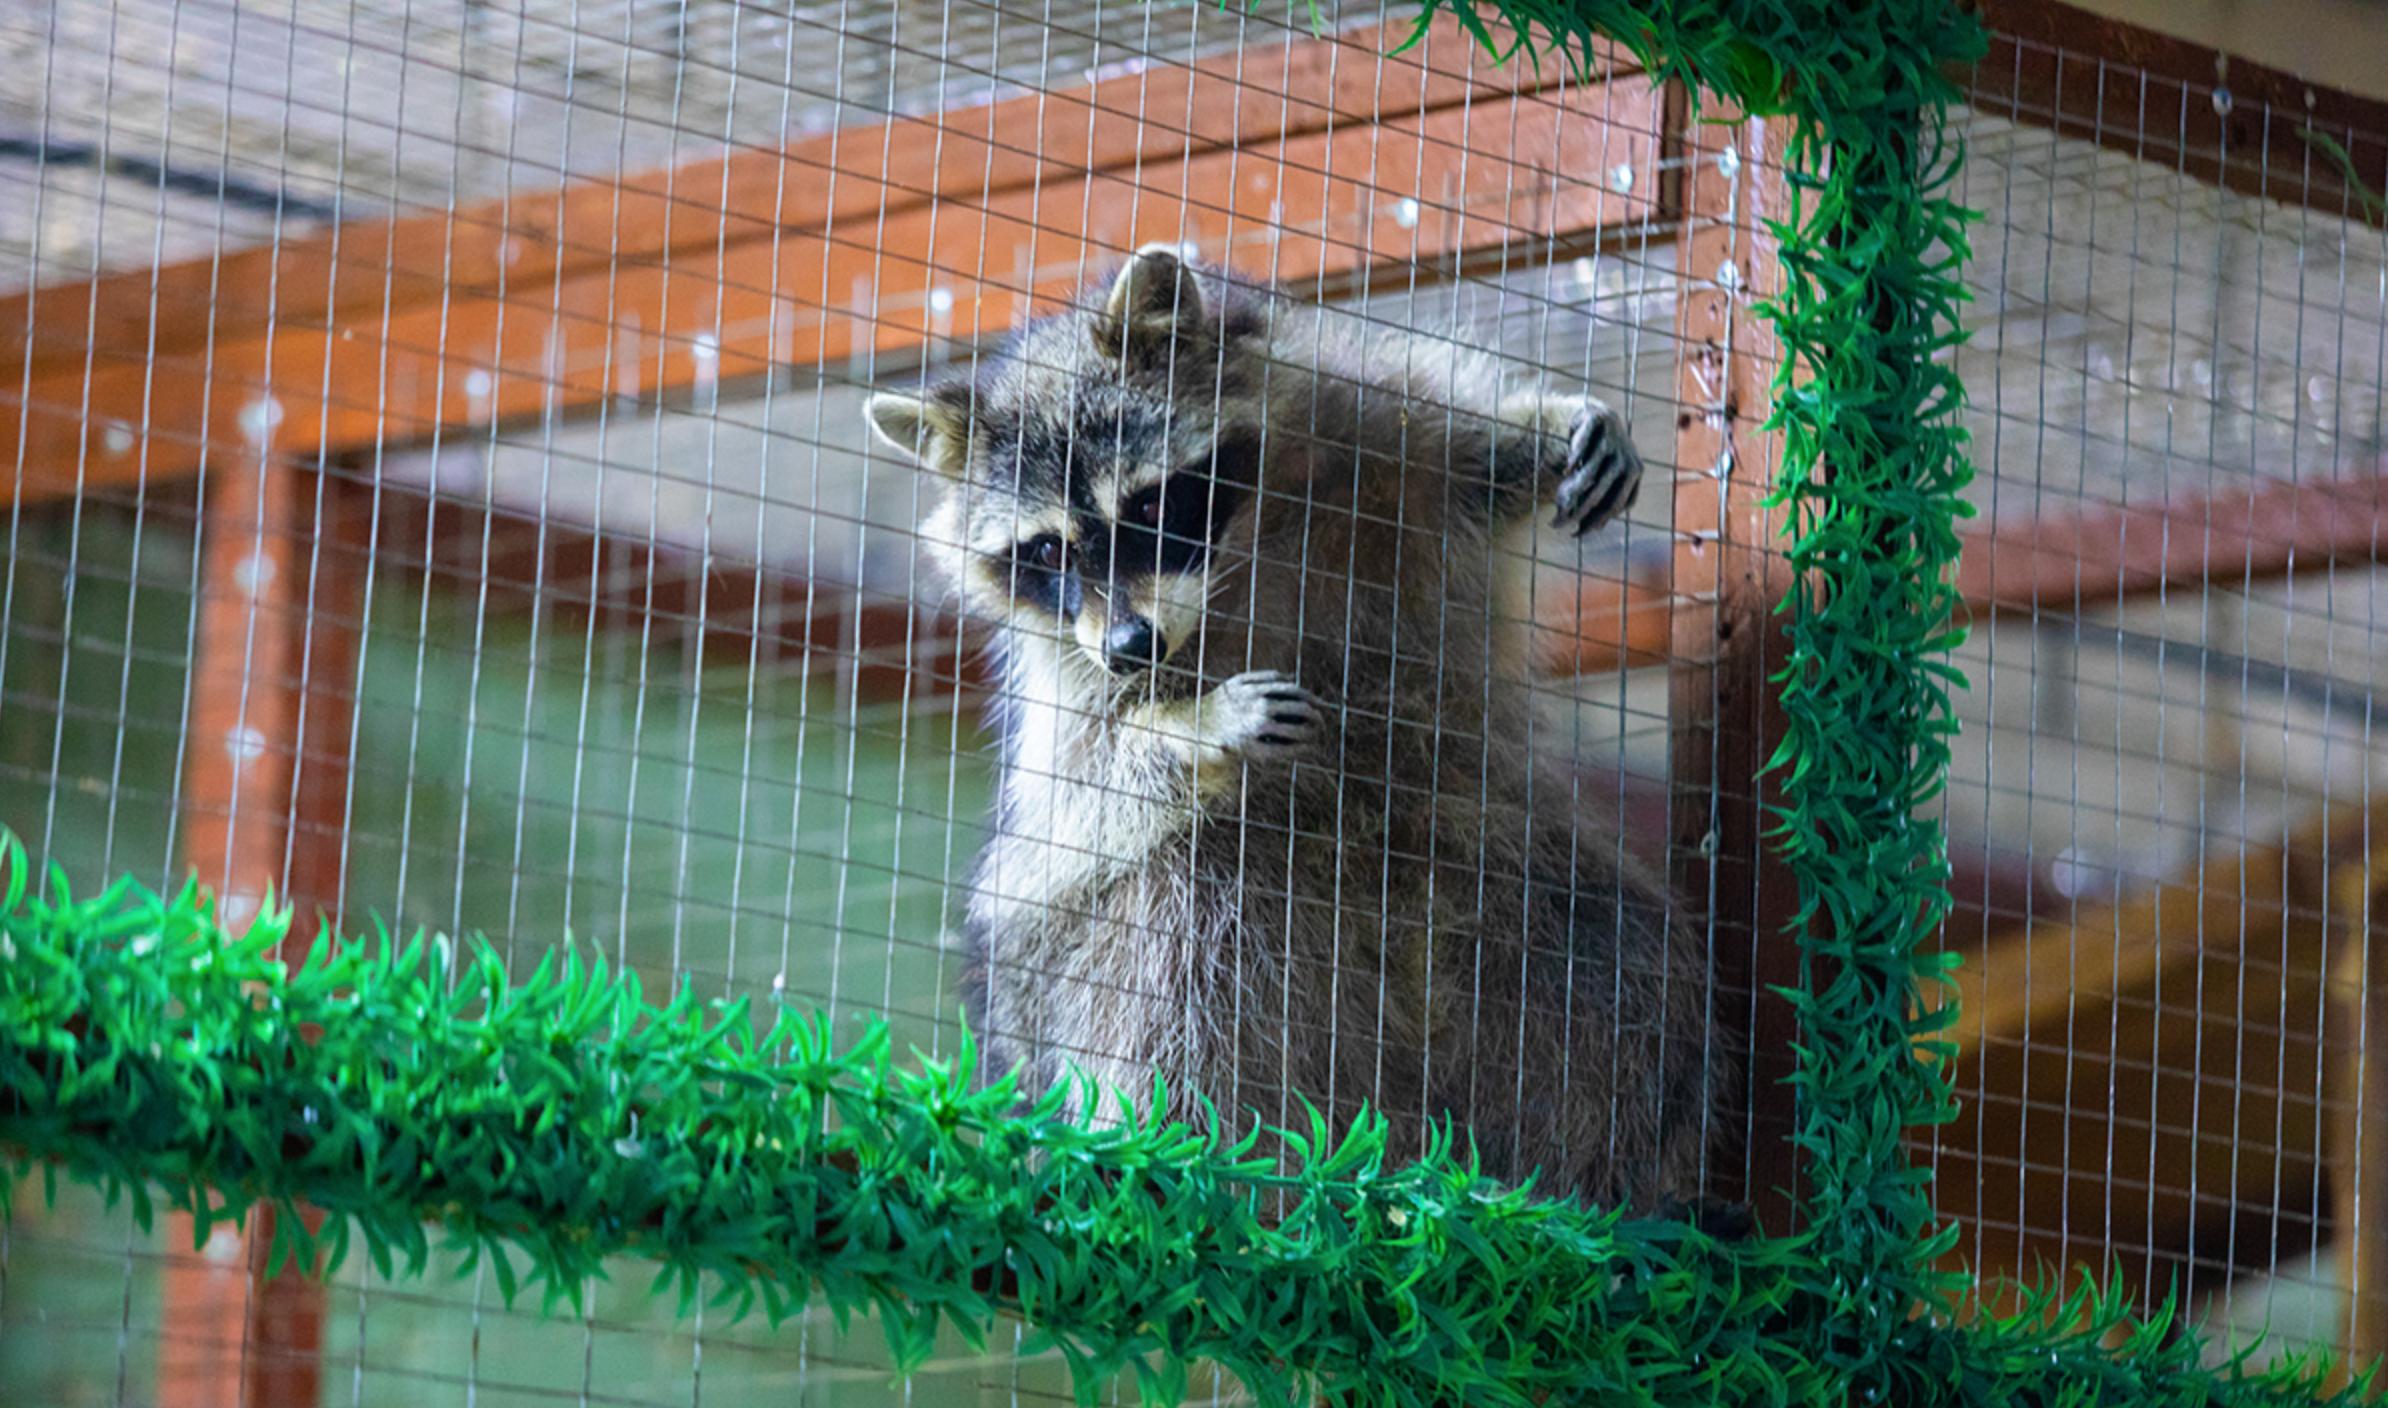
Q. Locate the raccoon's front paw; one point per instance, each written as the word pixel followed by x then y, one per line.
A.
pixel 1602 474
pixel 1264 715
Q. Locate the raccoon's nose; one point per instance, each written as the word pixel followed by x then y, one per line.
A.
pixel 1131 645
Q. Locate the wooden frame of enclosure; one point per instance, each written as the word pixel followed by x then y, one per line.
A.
pixel 276 379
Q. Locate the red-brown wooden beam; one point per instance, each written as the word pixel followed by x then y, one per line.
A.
pixel 1607 623
pixel 2358 1082
pixel 1729 575
pixel 2097 1027
pixel 2063 562
pixel 2085 560
pixel 273 665
pixel 874 237
pixel 729 613
pixel 2216 119
pixel 733 612
pixel 370 270
pixel 2253 532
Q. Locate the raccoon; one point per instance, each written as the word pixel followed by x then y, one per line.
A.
pixel 1267 824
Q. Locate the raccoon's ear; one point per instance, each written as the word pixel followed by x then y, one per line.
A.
pixel 931 431
pixel 1155 300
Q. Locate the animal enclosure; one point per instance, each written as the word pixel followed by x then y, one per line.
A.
pixel 440 494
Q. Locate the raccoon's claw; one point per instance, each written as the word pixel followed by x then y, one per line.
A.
pixel 1602 475
pixel 1266 715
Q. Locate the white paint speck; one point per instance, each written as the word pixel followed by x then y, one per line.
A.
pixel 253 574
pixel 236 911
pixel 2075 875
pixel 246 744
pixel 1405 214
pixel 258 419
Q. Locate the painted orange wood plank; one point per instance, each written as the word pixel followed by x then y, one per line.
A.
pixel 2358 1080
pixel 2245 532
pixel 273 660
pixel 1606 624
pixel 1314 207
pixel 370 268
pixel 1728 576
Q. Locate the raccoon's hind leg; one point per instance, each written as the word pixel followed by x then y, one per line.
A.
pixel 1582 444
pixel 1258 716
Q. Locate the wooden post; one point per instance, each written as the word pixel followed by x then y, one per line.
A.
pixel 273 666
pixel 1729 572
pixel 2358 1080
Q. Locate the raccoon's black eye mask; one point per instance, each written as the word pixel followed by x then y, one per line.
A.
pixel 1166 527
pixel 1040 575
pixel 1170 526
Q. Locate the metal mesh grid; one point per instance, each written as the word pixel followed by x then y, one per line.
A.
pixel 660 668
pixel 348 111
pixel 2163 809
pixel 651 654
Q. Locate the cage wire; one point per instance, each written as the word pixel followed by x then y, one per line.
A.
pixel 656 670
pixel 537 575
pixel 2163 808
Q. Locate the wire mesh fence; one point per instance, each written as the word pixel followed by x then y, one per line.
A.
pixel 2165 799
pixel 441 494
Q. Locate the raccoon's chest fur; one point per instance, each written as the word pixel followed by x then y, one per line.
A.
pixel 1121 929
pixel 1094 944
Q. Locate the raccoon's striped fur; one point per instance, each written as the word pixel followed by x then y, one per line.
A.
pixel 1268 821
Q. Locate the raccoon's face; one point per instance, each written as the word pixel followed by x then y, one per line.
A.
pixel 1097 492
pixel 1110 532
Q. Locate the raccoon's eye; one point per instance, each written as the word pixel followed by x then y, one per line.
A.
pixel 1046 552
pixel 1144 510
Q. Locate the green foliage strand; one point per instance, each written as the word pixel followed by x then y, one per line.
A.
pixel 1872 473
pixel 1872 468
pixel 547 1124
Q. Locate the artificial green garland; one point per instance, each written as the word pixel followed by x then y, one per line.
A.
pixel 562 1119
pixel 1872 469
pixel 547 1124
pixel 410 1091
